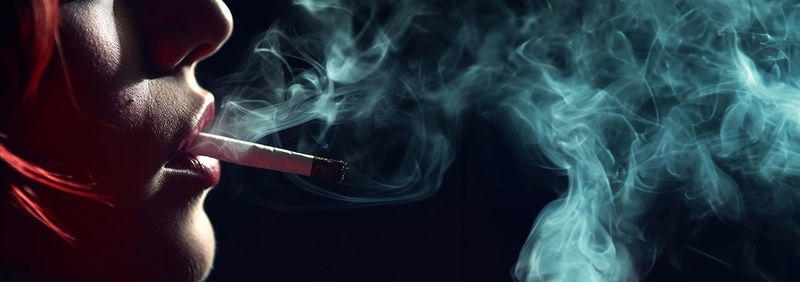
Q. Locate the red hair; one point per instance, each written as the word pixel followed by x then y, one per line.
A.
pixel 38 30
pixel 38 39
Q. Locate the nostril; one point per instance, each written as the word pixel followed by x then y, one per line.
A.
pixel 198 53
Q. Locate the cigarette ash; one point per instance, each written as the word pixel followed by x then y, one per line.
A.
pixel 647 107
pixel 329 169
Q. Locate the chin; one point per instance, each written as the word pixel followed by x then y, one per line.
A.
pixel 171 242
pixel 205 244
pixel 185 255
pixel 192 248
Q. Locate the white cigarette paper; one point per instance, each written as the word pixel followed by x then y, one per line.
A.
pixel 251 154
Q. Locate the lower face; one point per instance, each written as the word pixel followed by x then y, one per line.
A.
pixel 120 128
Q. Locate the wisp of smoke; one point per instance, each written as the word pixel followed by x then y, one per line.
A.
pixel 636 102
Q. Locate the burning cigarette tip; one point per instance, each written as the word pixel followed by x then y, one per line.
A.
pixel 329 169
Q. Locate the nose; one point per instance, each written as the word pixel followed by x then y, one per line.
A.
pixel 182 32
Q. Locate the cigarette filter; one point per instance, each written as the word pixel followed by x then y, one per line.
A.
pixel 266 157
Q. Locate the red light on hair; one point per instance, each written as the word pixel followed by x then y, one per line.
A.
pixel 38 38
pixel 38 30
pixel 39 175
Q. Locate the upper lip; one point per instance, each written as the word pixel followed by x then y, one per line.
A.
pixel 206 118
pixel 203 122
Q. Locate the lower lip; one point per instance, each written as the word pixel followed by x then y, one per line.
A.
pixel 207 169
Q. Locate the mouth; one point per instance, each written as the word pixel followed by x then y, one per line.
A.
pixel 205 169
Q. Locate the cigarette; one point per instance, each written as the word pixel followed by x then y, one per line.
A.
pixel 266 157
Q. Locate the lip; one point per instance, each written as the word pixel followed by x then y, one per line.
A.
pixel 207 117
pixel 203 123
pixel 205 169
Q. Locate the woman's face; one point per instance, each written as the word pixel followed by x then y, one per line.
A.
pixel 130 68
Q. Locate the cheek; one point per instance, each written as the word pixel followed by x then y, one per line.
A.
pixel 95 28
pixel 112 111
pixel 95 41
pixel 131 105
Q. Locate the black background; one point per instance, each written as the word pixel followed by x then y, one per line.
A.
pixel 471 230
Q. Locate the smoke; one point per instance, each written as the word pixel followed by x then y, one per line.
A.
pixel 640 102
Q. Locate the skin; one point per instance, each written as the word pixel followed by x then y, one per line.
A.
pixel 131 71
